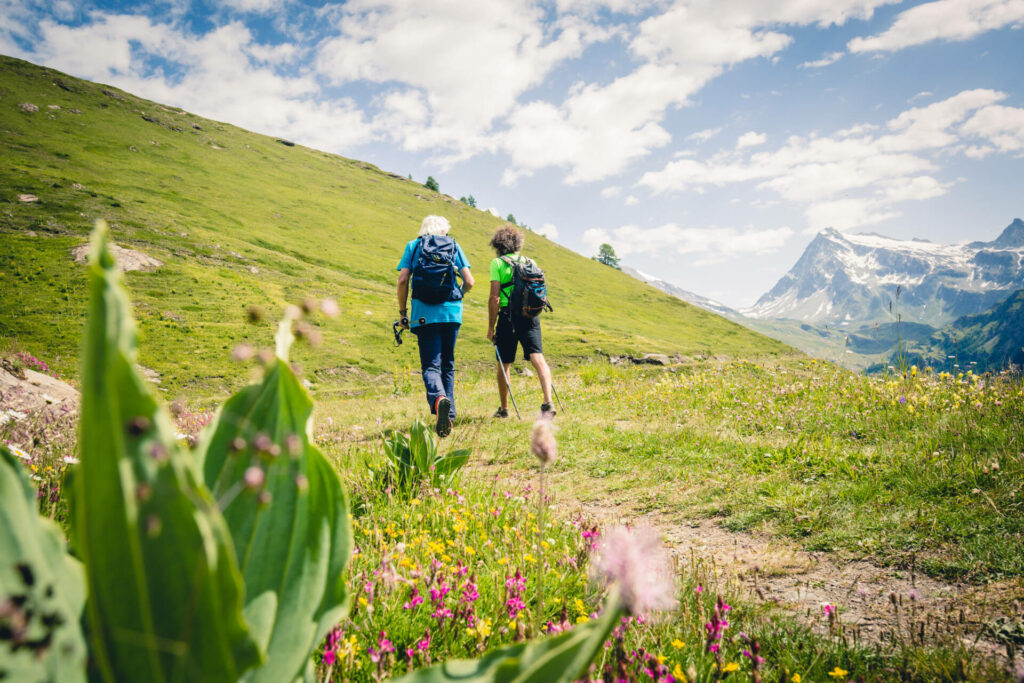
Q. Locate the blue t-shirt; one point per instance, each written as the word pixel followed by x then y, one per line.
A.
pixel 445 312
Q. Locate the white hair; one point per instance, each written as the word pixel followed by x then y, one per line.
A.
pixel 435 225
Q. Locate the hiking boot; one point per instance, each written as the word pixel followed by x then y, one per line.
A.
pixel 443 408
pixel 546 410
pixel 501 412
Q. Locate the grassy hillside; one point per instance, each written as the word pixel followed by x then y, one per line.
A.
pixel 241 219
pixel 992 340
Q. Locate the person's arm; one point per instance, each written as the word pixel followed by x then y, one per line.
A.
pixel 493 302
pixel 467 280
pixel 403 293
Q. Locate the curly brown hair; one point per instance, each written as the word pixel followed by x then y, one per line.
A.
pixel 508 239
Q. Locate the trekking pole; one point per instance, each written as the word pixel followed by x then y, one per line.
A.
pixel 508 384
pixel 557 398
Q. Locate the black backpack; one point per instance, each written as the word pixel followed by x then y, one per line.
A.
pixel 529 296
pixel 433 270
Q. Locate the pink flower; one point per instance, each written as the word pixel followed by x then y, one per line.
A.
pixel 636 560
pixel 330 308
pixel 254 477
pixel 542 440
pixel 415 599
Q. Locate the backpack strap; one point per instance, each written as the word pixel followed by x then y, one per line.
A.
pixel 415 250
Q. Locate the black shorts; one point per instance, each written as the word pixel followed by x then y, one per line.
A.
pixel 514 331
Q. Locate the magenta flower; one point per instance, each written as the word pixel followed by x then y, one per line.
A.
pixel 636 560
pixel 415 599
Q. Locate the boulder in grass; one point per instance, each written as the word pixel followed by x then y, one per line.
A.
pixel 28 198
pixel 127 259
pixel 28 107
pixel 653 359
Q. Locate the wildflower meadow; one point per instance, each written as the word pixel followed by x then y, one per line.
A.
pixel 269 539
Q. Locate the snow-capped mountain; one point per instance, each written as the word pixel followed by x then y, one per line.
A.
pixel 843 278
pixel 680 293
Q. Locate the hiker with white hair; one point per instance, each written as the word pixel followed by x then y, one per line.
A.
pixel 432 264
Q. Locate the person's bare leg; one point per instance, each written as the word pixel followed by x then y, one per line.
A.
pixel 543 373
pixel 502 387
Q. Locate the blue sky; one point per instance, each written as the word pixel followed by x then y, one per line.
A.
pixel 706 140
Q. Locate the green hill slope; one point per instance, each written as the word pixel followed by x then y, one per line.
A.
pixel 989 341
pixel 241 219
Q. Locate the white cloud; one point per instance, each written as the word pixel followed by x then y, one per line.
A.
pixel 611 191
pixel 950 20
pixel 224 76
pixel 599 130
pixel 711 244
pixel 830 58
pixel 471 61
pixel 1002 126
pixel 751 139
pixel 704 135
pixel 548 230
pixel 632 201
pixel 844 214
pixel 879 167
pixel 254 6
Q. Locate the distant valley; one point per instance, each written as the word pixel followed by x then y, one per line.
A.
pixel 854 298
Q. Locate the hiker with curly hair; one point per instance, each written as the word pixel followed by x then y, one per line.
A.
pixel 430 264
pixel 508 328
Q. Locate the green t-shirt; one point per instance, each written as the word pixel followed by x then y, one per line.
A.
pixel 501 273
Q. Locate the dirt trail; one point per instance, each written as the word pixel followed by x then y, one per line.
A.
pixel 802 582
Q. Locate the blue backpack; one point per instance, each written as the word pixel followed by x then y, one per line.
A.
pixel 433 270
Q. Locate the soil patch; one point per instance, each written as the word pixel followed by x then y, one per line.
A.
pixel 874 603
pixel 29 392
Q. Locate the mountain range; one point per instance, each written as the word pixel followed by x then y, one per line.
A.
pixel 842 279
pixel 853 298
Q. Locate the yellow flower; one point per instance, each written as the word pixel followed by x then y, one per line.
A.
pixel 529 558
pixel 678 674
pixel 730 667
pixel 512 625
pixel 580 607
pixel 678 644
pixel 414 501
pixel 796 678
pixel 582 619
pixel 503 561
pixel 362 601
pixel 470 551
pixel 662 659
pixel 484 629
pixel 545 545
pixel 837 672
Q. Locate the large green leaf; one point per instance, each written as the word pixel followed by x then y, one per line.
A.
pixel 165 593
pixel 42 584
pixel 558 659
pixel 292 533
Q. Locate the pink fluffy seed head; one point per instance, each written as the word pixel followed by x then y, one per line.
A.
pixel 639 564
pixel 542 440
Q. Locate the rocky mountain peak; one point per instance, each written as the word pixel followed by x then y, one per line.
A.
pixel 849 278
pixel 1012 237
